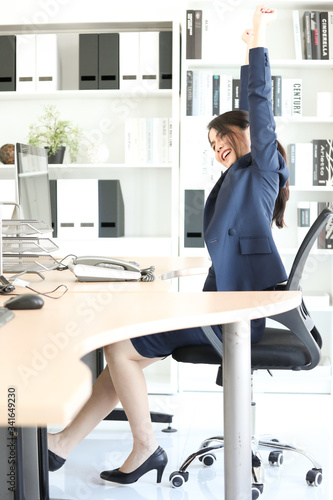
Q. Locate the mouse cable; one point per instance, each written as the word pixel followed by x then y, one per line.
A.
pixel 47 294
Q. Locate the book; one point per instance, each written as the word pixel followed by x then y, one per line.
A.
pixel 235 93
pixel 148 140
pixel 307 35
pixel 297 35
pixel 216 95
pixel 189 93
pixel 300 164
pixel 315 34
pixel 197 34
pixel 306 215
pixel 225 93
pixel 190 34
pixel 330 34
pixel 322 162
pixel 324 49
pixel 277 95
pixel 325 238
pixel 291 97
pixel 193 34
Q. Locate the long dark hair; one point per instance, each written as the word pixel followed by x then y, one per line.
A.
pixel 223 125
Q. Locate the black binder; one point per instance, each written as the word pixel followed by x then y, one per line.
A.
pixel 193 214
pixel 88 61
pixel 108 57
pixel 111 220
pixel 165 60
pixel 7 62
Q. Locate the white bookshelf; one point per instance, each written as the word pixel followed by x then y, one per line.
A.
pixel 226 55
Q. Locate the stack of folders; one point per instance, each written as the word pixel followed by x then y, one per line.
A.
pixel 37 63
pixel 126 60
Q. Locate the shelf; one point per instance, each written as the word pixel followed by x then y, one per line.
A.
pixel 314 251
pixel 317 189
pixel 303 119
pixel 275 63
pixel 94 27
pixel 138 92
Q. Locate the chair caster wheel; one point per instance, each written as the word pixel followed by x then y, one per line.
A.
pixel 177 479
pixel 257 490
pixel 275 458
pixel 208 460
pixel 314 477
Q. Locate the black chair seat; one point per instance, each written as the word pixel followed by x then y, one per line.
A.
pixel 278 349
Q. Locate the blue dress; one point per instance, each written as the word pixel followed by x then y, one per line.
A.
pixel 238 214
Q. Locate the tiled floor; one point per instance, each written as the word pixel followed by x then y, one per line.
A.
pixel 302 420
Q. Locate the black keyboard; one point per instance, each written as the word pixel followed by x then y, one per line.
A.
pixel 5 315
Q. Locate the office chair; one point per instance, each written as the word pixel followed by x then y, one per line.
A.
pixel 296 348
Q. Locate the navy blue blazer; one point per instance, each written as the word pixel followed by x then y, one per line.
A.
pixel 239 210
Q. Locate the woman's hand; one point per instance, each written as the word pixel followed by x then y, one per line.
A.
pixel 247 37
pixel 263 16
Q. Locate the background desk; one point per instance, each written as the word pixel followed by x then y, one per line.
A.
pixel 41 351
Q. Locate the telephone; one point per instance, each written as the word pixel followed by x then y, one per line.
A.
pixel 88 268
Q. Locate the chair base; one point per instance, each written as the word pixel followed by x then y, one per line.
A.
pixel 206 455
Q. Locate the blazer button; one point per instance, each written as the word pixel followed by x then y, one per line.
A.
pixel 231 232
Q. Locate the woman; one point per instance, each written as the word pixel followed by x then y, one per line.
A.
pixel 237 225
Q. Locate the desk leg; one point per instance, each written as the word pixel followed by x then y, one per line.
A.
pixel 237 407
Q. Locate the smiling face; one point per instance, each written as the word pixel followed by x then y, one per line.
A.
pixel 229 147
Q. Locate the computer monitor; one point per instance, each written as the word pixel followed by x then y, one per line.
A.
pixel 33 183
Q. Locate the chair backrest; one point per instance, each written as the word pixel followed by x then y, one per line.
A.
pixel 298 320
pixel 296 272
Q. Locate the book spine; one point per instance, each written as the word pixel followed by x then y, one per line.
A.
pixel 292 164
pixel 235 93
pixel 277 95
pixel 297 35
pixel 197 34
pixel 273 94
pixel 330 34
pixel 324 35
pixel 225 93
pixel 315 34
pixel 216 95
pixel 170 156
pixel 306 214
pixel 307 35
pixel 315 165
pixel 189 93
pixel 190 45
pixel 296 97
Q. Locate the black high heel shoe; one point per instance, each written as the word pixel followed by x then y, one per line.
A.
pixel 157 460
pixel 55 461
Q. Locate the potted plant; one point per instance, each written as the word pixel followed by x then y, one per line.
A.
pixel 55 135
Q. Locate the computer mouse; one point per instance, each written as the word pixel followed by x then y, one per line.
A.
pixel 25 301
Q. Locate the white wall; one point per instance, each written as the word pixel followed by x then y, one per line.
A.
pixel 68 11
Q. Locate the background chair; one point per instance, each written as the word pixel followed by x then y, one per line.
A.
pixel 296 348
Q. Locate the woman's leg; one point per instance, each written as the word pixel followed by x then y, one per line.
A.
pixel 102 401
pixel 125 366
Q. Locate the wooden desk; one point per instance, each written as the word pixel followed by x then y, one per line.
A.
pixel 41 351
pixel 164 271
